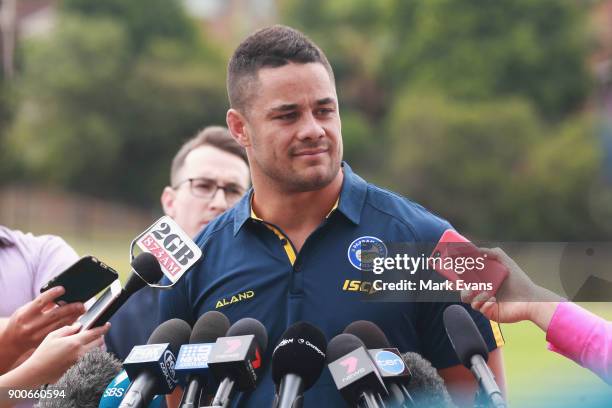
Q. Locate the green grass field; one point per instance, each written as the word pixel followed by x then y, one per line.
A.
pixel 535 376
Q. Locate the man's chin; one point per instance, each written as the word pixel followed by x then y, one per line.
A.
pixel 314 179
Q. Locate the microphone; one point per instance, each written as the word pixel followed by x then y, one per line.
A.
pixel 151 367
pixel 297 363
pixel 145 268
pixel 388 360
pixel 234 359
pixel 115 391
pixel 472 351
pixel 354 373
pixel 84 382
pixel 192 361
pixel 426 387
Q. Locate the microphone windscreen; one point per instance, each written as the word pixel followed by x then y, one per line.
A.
pixel 368 332
pixel 173 331
pixel 341 345
pixel 210 326
pixel 147 266
pixel 464 335
pixel 252 326
pixel 426 387
pixel 301 351
pixel 85 382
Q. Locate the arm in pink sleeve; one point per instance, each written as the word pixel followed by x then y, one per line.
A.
pixel 583 337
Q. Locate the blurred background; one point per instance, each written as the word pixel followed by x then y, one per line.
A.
pixel 496 115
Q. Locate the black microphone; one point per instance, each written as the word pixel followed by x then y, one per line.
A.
pixel 388 360
pixel 84 382
pixel 235 358
pixel 472 351
pixel 145 268
pixel 354 372
pixel 426 387
pixel 151 367
pixel 209 327
pixel 297 363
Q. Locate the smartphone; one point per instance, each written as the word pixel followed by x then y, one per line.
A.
pixel 83 280
pixel 453 249
pixel 103 308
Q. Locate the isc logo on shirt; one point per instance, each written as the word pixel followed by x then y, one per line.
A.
pixel 351 285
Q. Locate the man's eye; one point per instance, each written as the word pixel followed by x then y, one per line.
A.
pixel 325 111
pixel 235 191
pixel 203 185
pixel 287 116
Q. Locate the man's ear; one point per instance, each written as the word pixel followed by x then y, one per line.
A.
pixel 167 201
pixel 236 124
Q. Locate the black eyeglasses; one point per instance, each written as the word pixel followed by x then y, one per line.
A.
pixel 207 188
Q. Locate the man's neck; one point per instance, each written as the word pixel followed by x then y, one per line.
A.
pixel 296 211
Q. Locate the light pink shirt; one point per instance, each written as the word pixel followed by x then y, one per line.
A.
pixel 583 337
pixel 27 262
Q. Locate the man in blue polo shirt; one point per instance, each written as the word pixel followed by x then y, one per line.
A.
pixel 287 251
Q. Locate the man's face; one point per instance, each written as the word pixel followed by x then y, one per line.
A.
pixel 293 124
pixel 208 166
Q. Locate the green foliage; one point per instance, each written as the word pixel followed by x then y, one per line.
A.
pixel 144 20
pixel 493 168
pixel 117 115
pixel 461 159
pixel 469 106
pixel 486 49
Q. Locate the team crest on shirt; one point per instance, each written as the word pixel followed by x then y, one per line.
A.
pixel 363 250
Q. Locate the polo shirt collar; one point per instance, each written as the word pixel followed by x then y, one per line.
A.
pixel 352 195
pixel 352 198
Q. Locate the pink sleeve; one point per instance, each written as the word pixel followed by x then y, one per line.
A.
pixel 583 337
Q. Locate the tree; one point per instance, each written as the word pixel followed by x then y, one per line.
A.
pixel 475 50
pixel 97 118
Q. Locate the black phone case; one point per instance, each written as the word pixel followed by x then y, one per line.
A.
pixel 83 280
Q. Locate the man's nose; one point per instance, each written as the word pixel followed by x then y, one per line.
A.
pixel 310 127
pixel 219 201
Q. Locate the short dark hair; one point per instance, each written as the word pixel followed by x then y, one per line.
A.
pixel 215 136
pixel 273 46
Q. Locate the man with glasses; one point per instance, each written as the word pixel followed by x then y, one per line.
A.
pixel 209 174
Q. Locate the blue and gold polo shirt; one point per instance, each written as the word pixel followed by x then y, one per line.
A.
pixel 250 269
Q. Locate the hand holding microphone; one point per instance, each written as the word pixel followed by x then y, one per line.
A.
pixel 54 356
pixel 84 383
